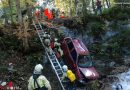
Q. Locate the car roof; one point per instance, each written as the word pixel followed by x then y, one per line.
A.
pixel 80 47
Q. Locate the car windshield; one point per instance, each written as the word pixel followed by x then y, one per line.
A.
pixel 84 61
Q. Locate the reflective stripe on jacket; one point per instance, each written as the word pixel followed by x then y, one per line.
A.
pixel 42 81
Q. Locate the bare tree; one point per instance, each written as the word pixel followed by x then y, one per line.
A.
pixel 19 11
pixel 93 5
pixel 107 2
pixel 10 7
pixel 5 14
pixel 25 34
pixel 29 12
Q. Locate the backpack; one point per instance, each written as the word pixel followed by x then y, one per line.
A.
pixel 71 76
pixel 35 80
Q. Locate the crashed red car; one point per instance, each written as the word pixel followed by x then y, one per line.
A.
pixel 78 59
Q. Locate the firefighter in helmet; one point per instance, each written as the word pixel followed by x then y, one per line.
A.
pixel 38 81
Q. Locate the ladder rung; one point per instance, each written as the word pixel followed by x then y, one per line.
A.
pixel 41 34
pixel 59 70
pixel 54 62
pixel 37 25
pixel 39 31
pixel 60 73
pixel 38 28
pixel 52 57
pixel 41 37
pixel 57 67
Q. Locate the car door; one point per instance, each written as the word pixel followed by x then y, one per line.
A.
pixel 70 47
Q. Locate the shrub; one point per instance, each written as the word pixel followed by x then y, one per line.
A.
pixel 117 13
pixel 97 28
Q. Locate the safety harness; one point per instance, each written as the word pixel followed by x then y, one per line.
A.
pixel 35 76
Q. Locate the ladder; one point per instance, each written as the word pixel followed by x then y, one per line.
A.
pixel 52 58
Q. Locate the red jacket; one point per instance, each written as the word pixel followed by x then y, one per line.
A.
pixel 48 14
pixel 52 44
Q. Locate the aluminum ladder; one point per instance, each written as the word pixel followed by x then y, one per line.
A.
pixel 52 58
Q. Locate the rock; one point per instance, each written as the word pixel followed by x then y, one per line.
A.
pixel 106 87
pixel 112 64
pixel 127 60
pixel 99 63
pixel 119 69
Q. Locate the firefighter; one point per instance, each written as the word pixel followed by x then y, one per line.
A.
pixel 62 15
pixel 37 13
pixel 57 46
pixel 99 7
pixel 38 81
pixel 47 43
pixel 69 75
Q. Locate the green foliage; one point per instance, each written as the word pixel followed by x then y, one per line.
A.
pixel 113 47
pixel 3 55
pixel 121 0
pixel 35 44
pixel 10 42
pixel 116 13
pixel 3 69
pixel 93 85
pixel 97 28
pixel 122 16
pixel 34 59
pixel 91 17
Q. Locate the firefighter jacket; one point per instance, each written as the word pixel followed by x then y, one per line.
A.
pixel 41 80
pixel 70 75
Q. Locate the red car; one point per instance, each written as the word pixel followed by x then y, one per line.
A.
pixel 78 59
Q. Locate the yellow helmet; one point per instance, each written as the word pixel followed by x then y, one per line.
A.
pixel 69 72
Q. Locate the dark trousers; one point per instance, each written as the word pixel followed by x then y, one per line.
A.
pixel 99 10
pixel 71 86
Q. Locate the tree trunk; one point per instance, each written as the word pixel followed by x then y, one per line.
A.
pixel 10 7
pixel 25 38
pixel 93 5
pixel 75 3
pixel 19 11
pixel 70 8
pixel 107 3
pixel 5 15
pixel 29 12
pixel 84 10
pixel 103 4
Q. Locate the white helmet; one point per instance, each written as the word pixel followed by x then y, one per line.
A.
pixel 37 9
pixel 38 69
pixel 56 39
pixel 65 68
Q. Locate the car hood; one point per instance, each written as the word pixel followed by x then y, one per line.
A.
pixel 89 73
